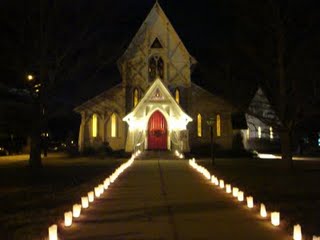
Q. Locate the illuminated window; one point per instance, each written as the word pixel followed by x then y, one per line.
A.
pixel 218 125
pixel 94 125
pixel 113 125
pixel 271 132
pixel 259 132
pixel 199 125
pixel 177 95
pixel 135 97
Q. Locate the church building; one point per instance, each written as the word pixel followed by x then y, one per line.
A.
pixel 156 106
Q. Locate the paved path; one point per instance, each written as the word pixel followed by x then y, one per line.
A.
pixel 167 199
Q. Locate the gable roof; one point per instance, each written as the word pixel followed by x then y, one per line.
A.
pixel 164 96
pixel 155 13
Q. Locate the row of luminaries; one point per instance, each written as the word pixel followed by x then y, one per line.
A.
pixel 239 195
pixel 90 197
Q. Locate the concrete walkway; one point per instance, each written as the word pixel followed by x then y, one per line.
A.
pixel 166 199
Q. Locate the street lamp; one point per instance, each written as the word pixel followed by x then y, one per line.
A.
pixel 210 123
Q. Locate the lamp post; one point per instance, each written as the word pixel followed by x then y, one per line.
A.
pixel 210 123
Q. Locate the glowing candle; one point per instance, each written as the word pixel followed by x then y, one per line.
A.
pixel 68 219
pixel 101 188
pixel 91 196
pixel 235 191
pixel 53 232
pixel 76 210
pixel 263 211
pixel 275 218
pixel 250 202
pixel 84 202
pixel 221 184
pixel 240 196
pixel 297 235
pixel 228 188
pixel 97 192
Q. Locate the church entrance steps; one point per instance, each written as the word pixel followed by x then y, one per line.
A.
pixel 157 154
pixel 168 200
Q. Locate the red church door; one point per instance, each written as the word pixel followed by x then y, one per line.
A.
pixel 157 132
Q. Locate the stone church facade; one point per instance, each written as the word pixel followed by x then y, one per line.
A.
pixel 156 106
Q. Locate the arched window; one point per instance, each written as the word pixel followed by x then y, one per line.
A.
pixel 114 125
pixel 177 95
pixel 156 68
pixel 135 97
pixel 199 125
pixel 259 132
pixel 218 125
pixel 94 125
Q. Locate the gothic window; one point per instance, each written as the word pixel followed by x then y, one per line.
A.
pixel 218 125
pixel 94 125
pixel 177 95
pixel 199 125
pixel 156 68
pixel 114 125
pixel 135 97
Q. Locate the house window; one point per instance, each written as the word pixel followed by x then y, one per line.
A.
pixel 218 125
pixel 199 125
pixel 94 125
pixel 177 95
pixel 156 68
pixel 271 132
pixel 259 132
pixel 135 97
pixel 113 125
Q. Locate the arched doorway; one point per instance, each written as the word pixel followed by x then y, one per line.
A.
pixel 157 132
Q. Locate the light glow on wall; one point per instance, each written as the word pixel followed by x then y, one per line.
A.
pixel 94 125
pixel 177 96
pixel 113 125
pixel 218 125
pixel 199 125
pixel 259 132
pixel 135 97
pixel 271 132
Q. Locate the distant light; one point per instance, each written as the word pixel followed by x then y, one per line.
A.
pixel 30 77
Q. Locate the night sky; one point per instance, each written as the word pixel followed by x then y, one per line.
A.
pixel 92 35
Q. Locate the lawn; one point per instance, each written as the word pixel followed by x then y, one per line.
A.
pixel 31 201
pixel 296 194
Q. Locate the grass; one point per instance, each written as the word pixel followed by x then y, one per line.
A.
pixel 31 201
pixel 296 193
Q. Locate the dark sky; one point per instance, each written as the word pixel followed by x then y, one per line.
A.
pixel 91 35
